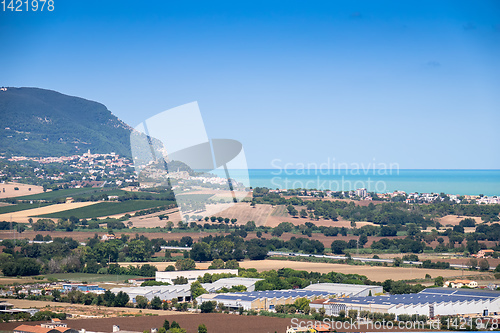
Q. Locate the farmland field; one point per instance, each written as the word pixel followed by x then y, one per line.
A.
pixel 109 208
pixel 215 322
pixel 14 190
pixel 374 273
pixel 24 215
pixel 54 195
pixel 20 207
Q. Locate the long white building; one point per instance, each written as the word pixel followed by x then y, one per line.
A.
pixel 267 300
pixel 183 291
pixel 430 302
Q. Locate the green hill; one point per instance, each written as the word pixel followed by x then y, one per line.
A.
pixel 39 122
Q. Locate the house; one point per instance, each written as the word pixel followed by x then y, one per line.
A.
pixel 93 288
pixel 107 237
pixel 55 326
pixel 461 283
pixel 484 253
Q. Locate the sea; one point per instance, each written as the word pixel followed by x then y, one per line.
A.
pixel 459 182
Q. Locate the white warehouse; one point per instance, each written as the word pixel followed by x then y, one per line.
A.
pixel 430 302
pixel 183 291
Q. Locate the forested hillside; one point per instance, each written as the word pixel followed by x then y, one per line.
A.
pixel 39 122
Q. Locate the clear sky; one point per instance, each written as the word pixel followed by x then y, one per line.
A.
pixel 410 82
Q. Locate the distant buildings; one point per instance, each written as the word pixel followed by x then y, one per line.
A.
pixel 107 237
pixel 430 302
pixel 461 283
pixel 191 276
pixel 267 300
pixel 182 292
pixel 86 288
pixel 361 192
pixel 484 253
pixel 55 326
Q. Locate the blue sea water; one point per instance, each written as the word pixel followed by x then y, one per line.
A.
pixel 462 182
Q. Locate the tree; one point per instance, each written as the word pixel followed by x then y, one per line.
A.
pixel 363 239
pixel 156 303
pixel 170 268
pixel 166 325
pixel 202 328
pixel 256 252
pixel 185 264
pixel 208 307
pixel 232 264
pixel 142 302
pixel 338 246
pixel 197 290
pixel 484 265
pixel 397 262
pixel 186 241
pixel 292 211
pixel 177 330
pixel 301 304
pixel 137 250
pixel 175 325
pixel 217 264
pixel 121 299
pixel 472 263
pixel 201 252
pixel 439 281
pixel 180 280
pixel 56 294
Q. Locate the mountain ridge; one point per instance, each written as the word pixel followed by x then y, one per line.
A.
pixel 39 122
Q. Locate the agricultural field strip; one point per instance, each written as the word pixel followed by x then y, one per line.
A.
pixel 22 206
pixel 101 209
pixel 43 210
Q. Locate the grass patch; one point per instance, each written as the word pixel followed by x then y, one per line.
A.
pixel 86 193
pixel 280 211
pixel 21 206
pixel 102 209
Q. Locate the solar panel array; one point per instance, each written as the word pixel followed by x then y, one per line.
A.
pixel 254 295
pixel 431 295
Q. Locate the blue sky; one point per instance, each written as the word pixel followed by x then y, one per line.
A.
pixel 415 83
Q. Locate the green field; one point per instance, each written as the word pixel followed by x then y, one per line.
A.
pixel 91 278
pixel 86 193
pixel 21 206
pixel 62 194
pixel 103 209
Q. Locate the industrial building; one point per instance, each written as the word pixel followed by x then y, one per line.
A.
pixel 169 277
pixel 347 290
pixel 267 300
pixel 430 302
pixel 183 291
pixel 261 300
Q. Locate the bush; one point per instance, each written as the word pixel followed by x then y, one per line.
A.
pixel 21 267
pixel 208 307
